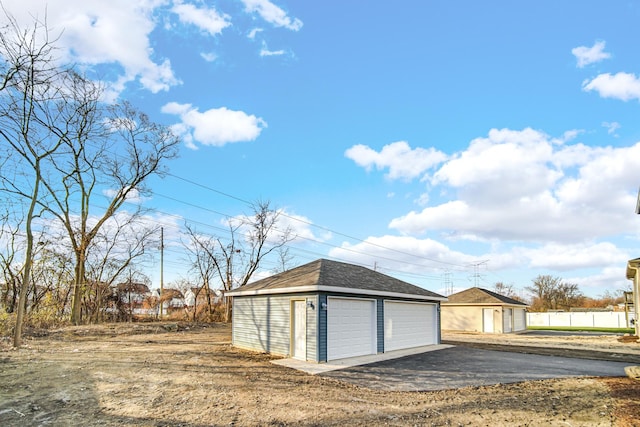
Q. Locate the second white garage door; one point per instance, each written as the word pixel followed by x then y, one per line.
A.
pixel 351 327
pixel 519 319
pixel 408 325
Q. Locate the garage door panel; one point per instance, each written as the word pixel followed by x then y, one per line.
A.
pixel 409 325
pixel 351 327
pixel 507 320
pixel 519 319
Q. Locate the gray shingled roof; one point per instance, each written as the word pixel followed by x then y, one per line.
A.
pixel 481 296
pixel 324 273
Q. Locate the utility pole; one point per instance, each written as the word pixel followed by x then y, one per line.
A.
pixel 161 267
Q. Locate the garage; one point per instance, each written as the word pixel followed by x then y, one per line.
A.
pixel 351 327
pixel 482 310
pixel 328 310
pixel 409 324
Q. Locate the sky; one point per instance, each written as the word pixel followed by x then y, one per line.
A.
pixel 447 143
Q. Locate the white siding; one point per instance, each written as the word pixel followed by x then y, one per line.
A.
pixel 262 323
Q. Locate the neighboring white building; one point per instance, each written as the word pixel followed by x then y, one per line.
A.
pixel 633 273
pixel 190 296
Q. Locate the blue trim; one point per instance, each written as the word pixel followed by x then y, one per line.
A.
pixel 322 328
pixel 380 324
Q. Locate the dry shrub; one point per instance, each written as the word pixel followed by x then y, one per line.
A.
pixel 177 315
pixel 46 315
pixel 216 315
pixel 7 324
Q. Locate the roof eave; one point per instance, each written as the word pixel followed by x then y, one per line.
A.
pixel 632 266
pixel 334 289
pixel 486 303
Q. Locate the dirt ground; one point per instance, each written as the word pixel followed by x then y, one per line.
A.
pixel 189 375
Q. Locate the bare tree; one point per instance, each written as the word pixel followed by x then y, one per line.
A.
pixel 68 148
pixel 203 265
pixel 113 152
pixel 551 293
pixel 251 239
pixel 123 240
pixel 284 260
pixel 53 276
pixel 506 290
pixel 29 95
pixel 11 271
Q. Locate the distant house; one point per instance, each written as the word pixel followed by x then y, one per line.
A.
pixel 201 296
pixel 132 296
pixel 327 310
pixel 481 310
pixel 172 300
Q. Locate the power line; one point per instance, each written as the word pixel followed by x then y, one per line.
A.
pixel 303 221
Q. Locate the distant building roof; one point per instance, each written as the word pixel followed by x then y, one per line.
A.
pixel 171 293
pixel 139 288
pixel 324 275
pixel 481 296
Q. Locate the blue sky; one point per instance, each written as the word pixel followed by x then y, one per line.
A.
pixel 449 143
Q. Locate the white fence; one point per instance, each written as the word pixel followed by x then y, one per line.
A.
pixel 595 319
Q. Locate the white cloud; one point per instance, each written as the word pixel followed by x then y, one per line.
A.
pixel 252 34
pixel 96 32
pixel 428 259
pixel 402 253
pixel 116 35
pixel 608 279
pixel 560 257
pixel 207 19
pixel 589 55
pixel 623 86
pixel 612 127
pixel 422 200
pixel 272 14
pixel 519 186
pixel 209 57
pixel 401 160
pixel 300 228
pixel 217 126
pixel 266 52
pixel 134 195
pixel 515 162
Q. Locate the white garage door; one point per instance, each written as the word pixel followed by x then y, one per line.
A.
pixel 506 320
pixel 408 324
pixel 519 319
pixel 351 327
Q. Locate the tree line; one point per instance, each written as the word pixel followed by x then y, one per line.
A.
pixel 75 171
pixel 553 293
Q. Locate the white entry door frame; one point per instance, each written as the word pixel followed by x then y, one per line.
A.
pixel 487 320
pixel 299 329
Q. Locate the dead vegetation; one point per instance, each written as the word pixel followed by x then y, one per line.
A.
pixel 171 374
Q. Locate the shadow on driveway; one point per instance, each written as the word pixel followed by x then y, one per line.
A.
pixel 461 366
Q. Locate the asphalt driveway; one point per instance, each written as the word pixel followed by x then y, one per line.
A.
pixel 461 366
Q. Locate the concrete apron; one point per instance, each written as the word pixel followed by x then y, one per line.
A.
pixel 315 368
